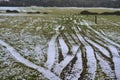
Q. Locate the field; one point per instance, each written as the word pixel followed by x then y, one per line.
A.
pixel 59 44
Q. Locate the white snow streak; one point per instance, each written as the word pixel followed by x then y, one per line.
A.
pixel 77 68
pixel 100 48
pixel 105 67
pixel 90 57
pixel 51 53
pixel 64 47
pixel 59 68
pixel 110 41
pixel 116 60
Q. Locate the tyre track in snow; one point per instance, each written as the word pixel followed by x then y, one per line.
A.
pixel 77 67
pixel 74 68
pixel 100 46
pixel 85 55
pixel 47 73
pixel 116 60
pixel 60 43
pixel 51 53
pixel 101 43
pixel 79 51
pixel 106 67
pixel 114 57
pixel 100 35
pixel 68 58
pixel 63 46
pixel 90 57
pixel 111 49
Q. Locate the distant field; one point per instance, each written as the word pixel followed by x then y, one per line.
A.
pixel 59 10
pixel 59 44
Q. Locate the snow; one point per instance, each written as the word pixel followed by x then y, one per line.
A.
pixel 51 52
pixel 77 68
pixel 110 41
pixel 116 60
pixel 57 28
pixel 64 47
pixel 100 48
pixel 59 68
pixel 82 23
pixel 48 74
pixel 91 61
pixel 115 55
pixel 19 14
pixel 105 67
pixel 86 8
pixel 38 49
pixel 2 20
pixel 63 27
pixel 87 51
pixel 92 64
pixel 9 8
pixel 75 22
pixel 90 57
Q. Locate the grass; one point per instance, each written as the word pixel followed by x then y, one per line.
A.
pixel 25 33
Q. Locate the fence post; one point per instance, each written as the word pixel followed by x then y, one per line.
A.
pixel 95 19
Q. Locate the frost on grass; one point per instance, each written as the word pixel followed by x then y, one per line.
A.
pixel 37 41
pixel 10 69
pixel 27 45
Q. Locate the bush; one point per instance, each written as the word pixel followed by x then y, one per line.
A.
pixel 33 12
pixel 45 13
pixel 88 13
pixel 104 13
pixel 12 11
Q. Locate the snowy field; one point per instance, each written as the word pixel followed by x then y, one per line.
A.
pixel 58 47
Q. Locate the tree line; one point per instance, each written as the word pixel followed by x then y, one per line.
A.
pixel 63 3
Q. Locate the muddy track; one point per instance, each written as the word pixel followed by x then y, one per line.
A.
pixel 77 53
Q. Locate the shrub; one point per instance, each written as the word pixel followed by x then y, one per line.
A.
pixel 12 11
pixel 33 12
pixel 88 13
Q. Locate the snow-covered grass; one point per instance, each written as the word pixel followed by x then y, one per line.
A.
pixel 58 46
pixel 23 35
